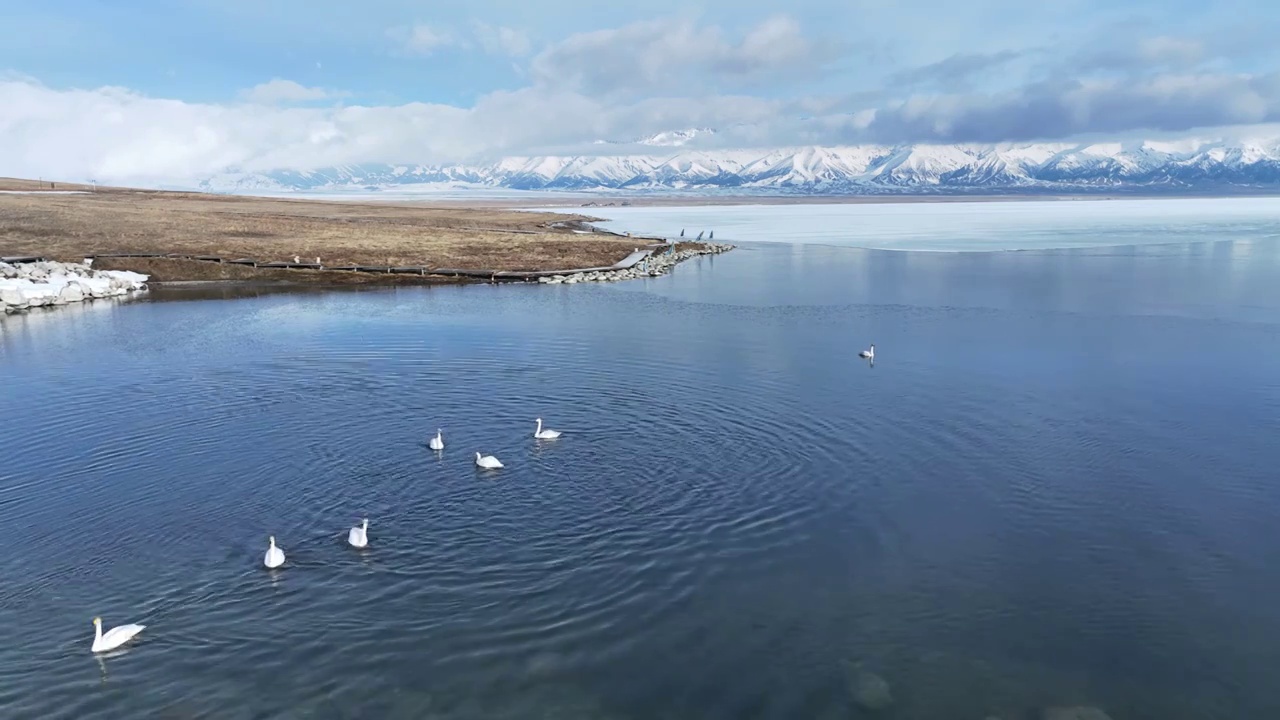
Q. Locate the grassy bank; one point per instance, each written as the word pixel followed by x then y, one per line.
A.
pixel 121 220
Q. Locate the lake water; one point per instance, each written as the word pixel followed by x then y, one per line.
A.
pixel 1056 486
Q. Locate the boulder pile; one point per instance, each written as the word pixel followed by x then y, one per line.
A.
pixel 660 263
pixel 39 284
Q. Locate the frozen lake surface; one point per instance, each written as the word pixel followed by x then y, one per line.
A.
pixel 965 226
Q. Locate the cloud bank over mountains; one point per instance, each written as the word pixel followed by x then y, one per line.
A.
pixel 777 82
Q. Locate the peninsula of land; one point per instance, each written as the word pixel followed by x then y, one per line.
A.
pixel 186 236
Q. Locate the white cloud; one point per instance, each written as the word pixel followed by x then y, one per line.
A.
pixel 422 39
pixel 499 40
pixel 1171 102
pixel 282 91
pixel 117 135
pixel 1110 52
pixel 1181 52
pixel 676 55
pixel 775 44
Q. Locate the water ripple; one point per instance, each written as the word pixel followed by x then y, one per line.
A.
pixel 738 503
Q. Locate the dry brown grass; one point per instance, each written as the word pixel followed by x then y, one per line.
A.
pixel 180 270
pixel 21 184
pixel 116 220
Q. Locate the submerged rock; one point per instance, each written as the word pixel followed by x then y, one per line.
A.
pixel 870 691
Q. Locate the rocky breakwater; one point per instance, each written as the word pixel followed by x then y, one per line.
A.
pixel 40 284
pixel 659 263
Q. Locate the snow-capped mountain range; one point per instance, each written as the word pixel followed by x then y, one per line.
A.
pixel 1146 166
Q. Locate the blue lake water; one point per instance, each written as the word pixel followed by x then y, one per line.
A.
pixel 1056 486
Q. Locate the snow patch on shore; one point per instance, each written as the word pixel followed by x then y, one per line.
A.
pixel 39 284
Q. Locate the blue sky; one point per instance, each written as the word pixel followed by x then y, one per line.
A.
pixel 219 84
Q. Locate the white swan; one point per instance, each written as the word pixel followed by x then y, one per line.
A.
pixel 488 462
pixel 545 434
pixel 437 442
pixel 113 638
pixel 359 536
pixel 275 556
pixel 870 354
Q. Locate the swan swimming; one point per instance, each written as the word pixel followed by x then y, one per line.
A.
pixel 113 638
pixel 488 462
pixel 359 536
pixel 437 442
pixel 275 556
pixel 870 354
pixel 545 434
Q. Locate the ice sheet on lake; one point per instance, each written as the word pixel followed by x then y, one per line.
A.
pixel 964 226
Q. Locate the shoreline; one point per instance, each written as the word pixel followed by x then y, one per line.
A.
pixel 182 237
pixel 179 236
pixel 58 241
pixel 654 265
pixel 32 285
pixel 319 240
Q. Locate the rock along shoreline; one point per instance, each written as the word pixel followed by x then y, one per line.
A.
pixel 47 283
pixel 659 263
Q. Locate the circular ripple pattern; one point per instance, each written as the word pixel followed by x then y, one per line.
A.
pixel 665 475
pixel 737 507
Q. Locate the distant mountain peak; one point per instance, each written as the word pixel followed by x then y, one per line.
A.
pixel 667 138
pixel 675 138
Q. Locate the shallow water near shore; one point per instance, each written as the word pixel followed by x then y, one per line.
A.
pixel 1056 486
